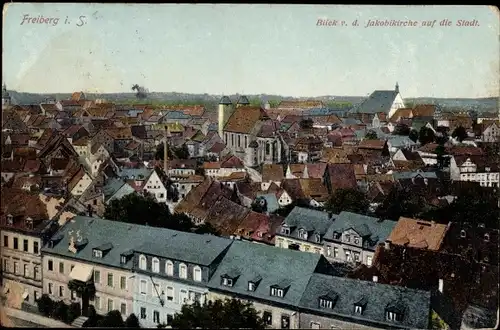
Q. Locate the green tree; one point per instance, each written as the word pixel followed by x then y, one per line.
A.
pixel 413 135
pixel 232 314
pixel 61 311
pixel 112 320
pixel 181 152
pixel 132 321
pixel 426 135
pixel 403 203
pixel 133 207
pixel 350 200
pixel 93 318
pixel 45 305
pixel 285 210
pixel 371 135
pixel 206 228
pixel 459 133
pixel 402 129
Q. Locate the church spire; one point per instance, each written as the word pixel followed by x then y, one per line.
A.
pixel 397 87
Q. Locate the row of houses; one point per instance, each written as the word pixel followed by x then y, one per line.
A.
pixel 153 272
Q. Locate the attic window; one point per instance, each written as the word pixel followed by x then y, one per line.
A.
pixel 277 292
pixel 395 311
pixel 360 306
pixel 285 231
pixel 251 286
pixel 10 219
pixel 125 257
pixel 302 234
pixel 317 238
pixel 97 253
pixel 486 237
pixel 101 251
pixel 462 233
pixel 393 316
pixel 327 301
pixel 227 281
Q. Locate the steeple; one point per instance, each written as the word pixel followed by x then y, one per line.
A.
pixel 397 87
pixel 6 100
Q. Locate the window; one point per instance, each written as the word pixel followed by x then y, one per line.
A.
pixel 285 321
pixel 97 276
pixel 156 316
pixel 36 272
pixel 285 231
pixel 123 282
pixel 50 265
pixel 227 281
pixel 50 288
pixel 61 291
pixel 6 241
pixel 348 255
pixel 15 243
pixel 169 268
pixel 110 305
pixel 156 265
pixel 5 265
pixel 302 234
pixel 182 271
pixel 25 245
pixel 36 294
pixel 97 253
pixel 72 293
pixel 347 238
pixel 110 280
pixel 143 313
pixel 197 274
pixel 97 302
pixel 170 293
pixel 486 237
pixel 123 309
pixel 356 256
pixel 61 267
pixel 392 316
pixel 183 296
pixel 267 317
pixel 16 267
pixel 26 271
pixel 335 252
pixel 143 286
pixel 315 325
pixel 170 318
pixel 325 303
pixel 356 240
pixel 369 261
pixel 35 247
pixel 276 292
pixel 358 309
pixel 142 262
pixel 251 286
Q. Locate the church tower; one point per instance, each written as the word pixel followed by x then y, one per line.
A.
pixel 242 101
pixel 6 100
pixel 225 109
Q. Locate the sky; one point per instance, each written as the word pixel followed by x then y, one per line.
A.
pixel 250 49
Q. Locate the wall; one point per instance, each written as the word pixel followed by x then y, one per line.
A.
pixel 329 323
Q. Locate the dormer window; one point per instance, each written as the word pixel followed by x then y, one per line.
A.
pixel 486 237
pixel 10 219
pixel 317 238
pixel 359 306
pixel 253 283
pixel 302 234
pixel 101 251
pixel 285 231
pixel 125 257
pixel 276 292
pixel 29 223
pixel 227 281
pixel 395 311
pixel 347 238
pixel 462 233
pixel 230 278
pixel 251 286
pixel 325 302
pixel 393 316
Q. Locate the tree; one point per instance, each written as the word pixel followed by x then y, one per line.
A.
pixel 45 305
pixel 206 228
pixel 350 200
pixel 306 123
pixel 426 135
pixel 371 135
pixel 231 313
pixel 132 321
pixel 74 311
pixel 112 320
pixel 61 311
pixel 402 203
pixel 402 129
pixel 181 152
pixel 259 205
pixel 413 135
pixel 133 207
pixel 460 133
pixel 285 210
pixel 93 318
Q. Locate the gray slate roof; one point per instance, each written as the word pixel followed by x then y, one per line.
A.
pixel 126 237
pixel 243 100
pixel 411 175
pixel 376 230
pixel 378 101
pixel 312 221
pixel 376 296
pixel 272 264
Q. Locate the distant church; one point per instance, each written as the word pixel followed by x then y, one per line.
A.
pixel 387 101
pixel 249 132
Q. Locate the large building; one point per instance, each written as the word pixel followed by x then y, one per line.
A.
pixel 386 101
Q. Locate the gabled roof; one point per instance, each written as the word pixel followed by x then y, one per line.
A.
pixel 312 221
pixel 272 172
pixel 418 233
pixel 378 101
pixel 374 297
pixel 243 100
pixel 243 119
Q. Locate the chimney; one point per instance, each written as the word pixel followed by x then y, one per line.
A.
pixel 387 245
pixel 441 285
pixel 375 278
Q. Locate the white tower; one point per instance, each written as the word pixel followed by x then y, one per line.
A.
pixel 224 113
